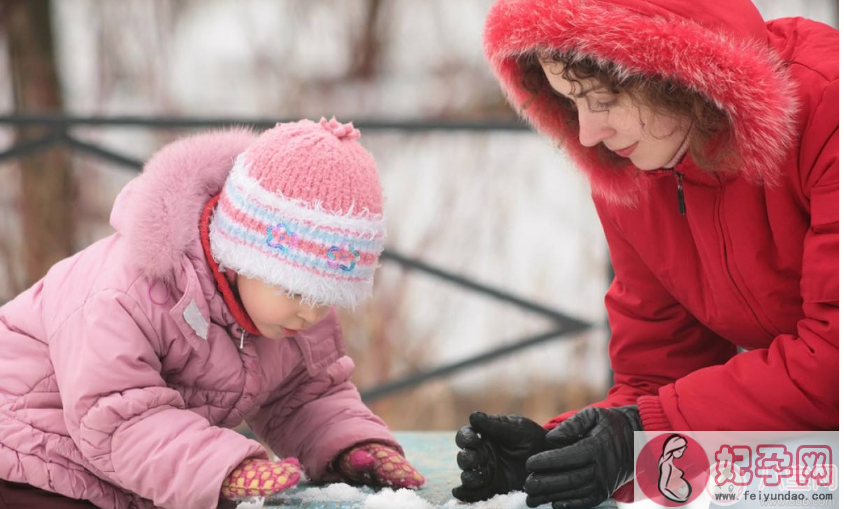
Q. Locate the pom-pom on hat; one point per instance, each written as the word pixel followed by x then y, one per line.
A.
pixel 301 209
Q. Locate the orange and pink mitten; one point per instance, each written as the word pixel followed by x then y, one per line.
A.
pixel 261 478
pixel 379 465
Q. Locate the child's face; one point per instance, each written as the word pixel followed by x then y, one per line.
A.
pixel 276 314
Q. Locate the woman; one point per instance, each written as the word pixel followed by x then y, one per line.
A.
pixel 710 140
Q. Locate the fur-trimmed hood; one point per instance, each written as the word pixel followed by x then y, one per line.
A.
pixel 159 211
pixel 719 48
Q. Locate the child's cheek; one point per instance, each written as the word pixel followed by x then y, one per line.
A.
pixel 273 311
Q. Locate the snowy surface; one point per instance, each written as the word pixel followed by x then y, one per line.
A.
pixel 343 496
pixel 406 499
pixel 334 492
pixel 255 503
pixel 350 497
pixel 432 453
pixel 512 500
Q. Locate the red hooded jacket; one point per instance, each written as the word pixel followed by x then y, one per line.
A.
pixel 725 318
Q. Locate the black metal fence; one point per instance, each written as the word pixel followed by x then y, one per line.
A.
pixel 57 131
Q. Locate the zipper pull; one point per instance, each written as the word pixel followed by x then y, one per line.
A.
pixel 681 197
pixel 242 334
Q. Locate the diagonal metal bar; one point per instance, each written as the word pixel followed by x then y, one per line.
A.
pixel 388 388
pixel 31 146
pixel 63 121
pixel 58 125
pixel 562 319
pixel 104 153
pixel 409 263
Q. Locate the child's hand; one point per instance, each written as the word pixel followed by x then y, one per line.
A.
pixel 379 465
pixel 261 478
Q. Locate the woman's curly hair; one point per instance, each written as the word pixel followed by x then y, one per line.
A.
pixel 711 143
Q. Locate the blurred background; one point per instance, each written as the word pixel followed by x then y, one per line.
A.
pixel 491 294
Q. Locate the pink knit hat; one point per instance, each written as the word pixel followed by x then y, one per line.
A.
pixel 302 210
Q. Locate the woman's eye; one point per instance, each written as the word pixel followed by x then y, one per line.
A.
pixel 603 105
pixel 568 101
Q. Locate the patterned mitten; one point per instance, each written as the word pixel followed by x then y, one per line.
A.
pixel 261 478
pixel 379 465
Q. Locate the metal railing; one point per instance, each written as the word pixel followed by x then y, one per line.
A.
pixel 57 127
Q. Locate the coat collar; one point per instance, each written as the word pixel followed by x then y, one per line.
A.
pixel 158 212
pixel 232 301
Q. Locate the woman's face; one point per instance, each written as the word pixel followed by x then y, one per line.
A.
pixel 679 452
pixel 650 140
pixel 276 314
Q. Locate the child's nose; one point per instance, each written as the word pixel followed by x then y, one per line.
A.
pixel 312 314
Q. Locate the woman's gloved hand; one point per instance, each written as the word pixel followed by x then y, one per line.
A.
pixel 261 478
pixel 376 464
pixel 592 457
pixel 494 451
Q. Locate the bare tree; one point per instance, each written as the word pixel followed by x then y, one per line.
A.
pixel 47 184
pixel 368 46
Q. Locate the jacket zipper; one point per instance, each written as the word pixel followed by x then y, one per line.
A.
pixel 681 204
pixel 681 197
pixel 678 177
pixel 730 277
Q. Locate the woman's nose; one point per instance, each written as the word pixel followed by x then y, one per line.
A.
pixel 593 127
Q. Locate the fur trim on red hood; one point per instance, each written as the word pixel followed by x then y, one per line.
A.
pixel 716 47
pixel 159 211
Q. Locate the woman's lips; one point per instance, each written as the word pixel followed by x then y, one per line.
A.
pixel 289 332
pixel 625 152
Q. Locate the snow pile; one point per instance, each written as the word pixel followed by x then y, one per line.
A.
pixel 338 492
pixel 363 498
pixel 251 503
pixel 389 499
pixel 512 500
pixel 360 499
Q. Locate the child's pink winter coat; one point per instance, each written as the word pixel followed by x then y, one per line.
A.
pixel 120 370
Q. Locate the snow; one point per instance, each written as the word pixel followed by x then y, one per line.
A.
pixel 338 492
pixel 389 499
pixel 252 503
pixel 364 498
pixel 512 500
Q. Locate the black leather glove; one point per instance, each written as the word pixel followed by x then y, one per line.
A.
pixel 593 457
pixel 494 451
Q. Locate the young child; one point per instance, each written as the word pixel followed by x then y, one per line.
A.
pixel 123 368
